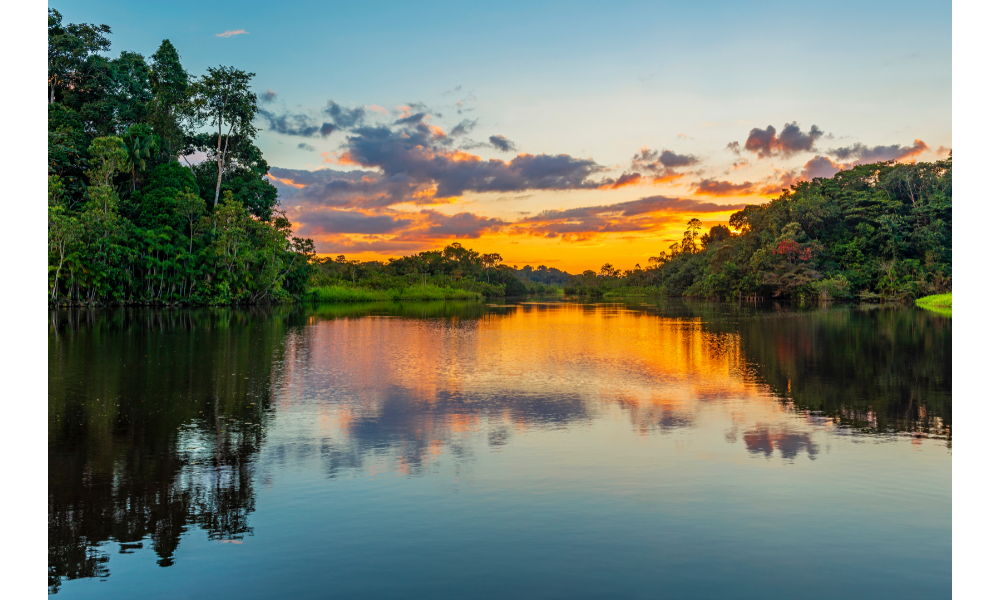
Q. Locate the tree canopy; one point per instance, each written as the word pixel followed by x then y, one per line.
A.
pixel 880 231
pixel 128 222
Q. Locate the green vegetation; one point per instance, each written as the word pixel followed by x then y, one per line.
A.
pixel 940 303
pixel 134 218
pixel 875 232
pixel 454 272
pixel 339 293
pixel 128 223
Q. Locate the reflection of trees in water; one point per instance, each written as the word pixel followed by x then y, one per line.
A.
pixel 155 420
pixel 874 369
pixel 157 417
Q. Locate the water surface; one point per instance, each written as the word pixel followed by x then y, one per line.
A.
pixel 533 449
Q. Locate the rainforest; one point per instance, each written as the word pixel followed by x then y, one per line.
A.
pixel 157 194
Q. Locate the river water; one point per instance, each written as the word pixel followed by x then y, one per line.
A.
pixel 543 449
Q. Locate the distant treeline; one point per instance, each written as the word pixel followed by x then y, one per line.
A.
pixel 128 222
pixel 453 267
pixel 880 231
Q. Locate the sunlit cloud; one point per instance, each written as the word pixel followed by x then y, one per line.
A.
pixel 864 154
pixel 712 187
pixel 392 184
pixel 792 140
pixel 226 34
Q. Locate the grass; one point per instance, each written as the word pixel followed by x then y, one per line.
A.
pixel 630 290
pixel 940 303
pixel 343 293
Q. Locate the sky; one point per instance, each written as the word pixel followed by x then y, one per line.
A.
pixel 568 134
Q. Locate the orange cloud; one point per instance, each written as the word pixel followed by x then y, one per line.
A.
pixel 226 34
pixel 668 177
pixel 344 158
pixel 286 181
pixel 718 189
pixel 625 180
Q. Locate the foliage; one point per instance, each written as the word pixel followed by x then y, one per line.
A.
pixel 452 268
pixel 130 224
pixel 343 293
pixel 875 232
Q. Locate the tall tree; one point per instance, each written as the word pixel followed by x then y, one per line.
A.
pixel 223 98
pixel 70 47
pixel 170 84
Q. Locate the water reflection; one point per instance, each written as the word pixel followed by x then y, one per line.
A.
pixel 160 421
pixel 154 421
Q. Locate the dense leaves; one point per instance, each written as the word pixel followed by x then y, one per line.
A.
pixel 879 231
pixel 128 223
pixel 452 267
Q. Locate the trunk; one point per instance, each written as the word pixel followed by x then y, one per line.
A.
pixel 190 167
pixel 221 158
pixel 218 183
pixel 55 284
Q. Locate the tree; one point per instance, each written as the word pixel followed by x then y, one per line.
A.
pixel 138 143
pixel 190 208
pixel 64 237
pixel 223 98
pixel 490 261
pixel 718 233
pixel 109 158
pixel 130 95
pixel 690 242
pixel 70 47
pixel 169 107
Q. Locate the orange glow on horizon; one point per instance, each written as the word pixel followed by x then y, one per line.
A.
pixel 574 253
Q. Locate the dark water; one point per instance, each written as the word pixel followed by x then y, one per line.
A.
pixel 689 450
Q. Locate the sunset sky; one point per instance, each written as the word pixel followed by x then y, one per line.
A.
pixel 567 134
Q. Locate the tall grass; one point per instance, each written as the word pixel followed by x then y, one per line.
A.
pixel 939 303
pixel 632 290
pixel 343 293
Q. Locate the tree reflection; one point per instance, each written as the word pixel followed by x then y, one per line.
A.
pixel 873 369
pixel 155 420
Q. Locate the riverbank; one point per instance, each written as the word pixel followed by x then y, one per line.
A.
pixel 341 293
pixel 939 303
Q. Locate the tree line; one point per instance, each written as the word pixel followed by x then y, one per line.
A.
pixel 880 231
pixel 452 267
pixel 134 218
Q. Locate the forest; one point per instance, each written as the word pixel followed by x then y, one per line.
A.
pixel 133 218
pixel 157 194
pixel 876 232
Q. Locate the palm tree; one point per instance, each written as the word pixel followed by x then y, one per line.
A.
pixel 137 149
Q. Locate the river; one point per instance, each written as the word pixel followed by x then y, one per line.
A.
pixel 534 449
